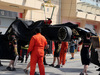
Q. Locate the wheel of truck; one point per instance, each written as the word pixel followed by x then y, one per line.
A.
pixel 64 34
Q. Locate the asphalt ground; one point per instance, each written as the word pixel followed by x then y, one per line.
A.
pixel 72 67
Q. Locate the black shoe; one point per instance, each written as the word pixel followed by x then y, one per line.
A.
pixel 21 61
pixel 71 58
pixel 45 64
pixel 36 73
pixel 25 61
pixel 57 66
pixel 1 65
pixel 98 69
pixel 13 69
pixel 26 71
pixel 81 73
pixel 9 68
pixel 51 65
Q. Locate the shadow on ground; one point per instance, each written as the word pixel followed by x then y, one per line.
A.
pixel 72 70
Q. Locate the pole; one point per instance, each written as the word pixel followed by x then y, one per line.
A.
pixel 44 12
pixel 52 12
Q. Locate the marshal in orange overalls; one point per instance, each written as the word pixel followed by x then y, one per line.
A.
pixel 63 51
pixel 36 47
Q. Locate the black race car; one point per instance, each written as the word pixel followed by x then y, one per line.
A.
pixel 24 30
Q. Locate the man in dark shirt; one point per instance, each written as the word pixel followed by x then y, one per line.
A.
pixel 14 53
pixel 56 54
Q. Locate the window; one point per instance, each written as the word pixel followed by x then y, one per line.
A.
pixel 47 9
pixel 96 0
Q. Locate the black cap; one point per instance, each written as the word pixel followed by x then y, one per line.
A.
pixel 37 30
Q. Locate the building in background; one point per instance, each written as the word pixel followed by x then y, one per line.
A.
pixel 27 10
pixel 85 13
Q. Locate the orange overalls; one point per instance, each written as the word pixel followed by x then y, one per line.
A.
pixel 63 51
pixel 36 47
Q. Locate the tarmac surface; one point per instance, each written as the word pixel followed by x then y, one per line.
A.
pixel 72 67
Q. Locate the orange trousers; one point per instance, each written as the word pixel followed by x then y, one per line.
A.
pixel 33 62
pixel 62 58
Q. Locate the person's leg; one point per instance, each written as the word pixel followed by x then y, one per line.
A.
pixel 44 60
pixel 13 67
pixel 28 65
pixel 33 66
pixel 20 52
pixel 85 69
pixel 11 63
pixel 72 55
pixel 72 52
pixel 26 69
pixel 64 59
pixel 54 60
pixel 58 65
pixel 27 55
pixel 61 59
pixel 26 59
pixel 23 51
pixel 41 66
pixel 0 63
pixel 58 59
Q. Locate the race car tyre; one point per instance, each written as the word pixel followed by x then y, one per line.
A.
pixel 64 33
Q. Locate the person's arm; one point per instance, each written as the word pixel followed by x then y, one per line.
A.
pixel 59 47
pixel 15 47
pixel 74 42
pixel 90 46
pixel 80 43
pixel 31 45
pixel 46 47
